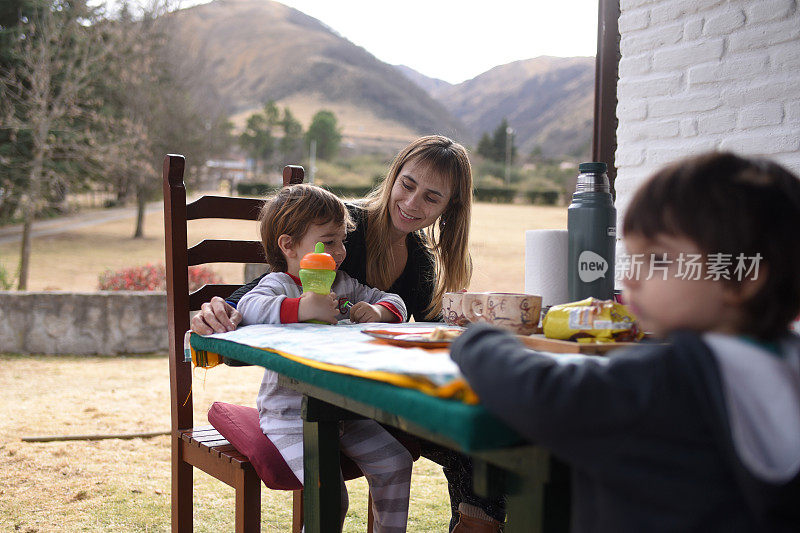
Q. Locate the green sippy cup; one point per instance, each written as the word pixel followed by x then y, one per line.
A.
pixel 317 270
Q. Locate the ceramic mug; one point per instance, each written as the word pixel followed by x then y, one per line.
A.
pixel 452 309
pixel 514 311
pixel 473 304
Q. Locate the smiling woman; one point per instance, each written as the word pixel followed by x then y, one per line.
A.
pixel 429 181
pixel 411 238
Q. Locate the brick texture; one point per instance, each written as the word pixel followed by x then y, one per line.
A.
pixel 699 75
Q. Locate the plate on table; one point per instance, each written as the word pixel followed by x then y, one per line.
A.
pixel 432 337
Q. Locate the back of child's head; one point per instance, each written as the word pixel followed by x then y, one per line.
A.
pixel 727 204
pixel 291 211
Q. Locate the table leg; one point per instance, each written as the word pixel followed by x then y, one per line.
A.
pixel 524 506
pixel 523 491
pixel 322 488
pixel 537 495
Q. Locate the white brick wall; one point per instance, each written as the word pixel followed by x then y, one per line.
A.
pixel 699 75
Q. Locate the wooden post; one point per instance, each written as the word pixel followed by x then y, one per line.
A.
pixel 604 143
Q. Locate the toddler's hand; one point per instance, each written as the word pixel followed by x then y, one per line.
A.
pixel 315 306
pixel 364 312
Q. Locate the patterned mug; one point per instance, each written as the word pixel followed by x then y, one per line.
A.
pixel 517 312
pixel 452 310
pixel 473 304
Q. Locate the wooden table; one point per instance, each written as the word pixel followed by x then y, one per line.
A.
pixel 536 487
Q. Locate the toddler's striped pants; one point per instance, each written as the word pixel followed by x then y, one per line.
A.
pixel 384 461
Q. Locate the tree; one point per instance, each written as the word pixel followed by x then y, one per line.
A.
pixel 257 139
pixel 325 132
pixel 260 139
pixel 291 144
pixel 495 147
pixel 160 103
pixel 537 154
pixel 486 147
pixel 14 143
pixel 46 105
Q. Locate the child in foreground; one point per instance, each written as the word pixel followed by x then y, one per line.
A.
pixel 292 222
pixel 701 432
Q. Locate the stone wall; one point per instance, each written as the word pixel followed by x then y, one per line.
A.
pixel 108 323
pixel 698 75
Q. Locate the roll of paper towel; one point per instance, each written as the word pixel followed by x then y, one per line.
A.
pixel 546 252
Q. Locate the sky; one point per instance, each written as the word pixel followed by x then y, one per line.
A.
pixel 455 40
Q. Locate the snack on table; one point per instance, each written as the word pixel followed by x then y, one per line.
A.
pixel 442 334
pixel 591 320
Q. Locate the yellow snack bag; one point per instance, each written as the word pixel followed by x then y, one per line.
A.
pixel 591 320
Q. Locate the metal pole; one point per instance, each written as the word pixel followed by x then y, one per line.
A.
pixel 312 160
pixel 509 138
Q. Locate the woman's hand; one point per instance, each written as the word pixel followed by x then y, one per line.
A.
pixel 315 306
pixel 364 312
pixel 216 316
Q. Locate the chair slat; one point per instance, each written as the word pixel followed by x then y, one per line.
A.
pixel 224 251
pixel 206 292
pixel 221 441
pixel 224 207
pixel 208 428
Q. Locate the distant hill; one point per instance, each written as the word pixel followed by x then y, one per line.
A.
pixel 547 100
pixel 430 85
pixel 261 50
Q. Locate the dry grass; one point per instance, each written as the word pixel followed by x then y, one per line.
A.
pixel 73 260
pixel 124 485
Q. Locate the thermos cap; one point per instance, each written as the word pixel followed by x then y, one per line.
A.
pixel 593 167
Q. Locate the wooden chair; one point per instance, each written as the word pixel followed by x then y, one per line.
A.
pixel 203 447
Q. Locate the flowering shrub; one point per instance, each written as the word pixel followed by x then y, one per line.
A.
pixel 141 278
pixel 200 275
pixel 152 278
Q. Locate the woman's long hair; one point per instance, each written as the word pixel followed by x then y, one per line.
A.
pixel 447 238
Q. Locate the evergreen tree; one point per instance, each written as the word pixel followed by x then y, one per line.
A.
pixel 325 131
pixel 495 147
pixel 485 147
pixel 47 107
pixel 257 139
pixel 291 144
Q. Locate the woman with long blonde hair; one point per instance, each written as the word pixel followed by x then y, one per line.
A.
pixel 411 238
pixel 423 205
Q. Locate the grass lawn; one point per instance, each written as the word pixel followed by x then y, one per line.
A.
pixel 73 260
pixel 124 485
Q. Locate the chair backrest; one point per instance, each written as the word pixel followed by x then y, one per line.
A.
pixel 179 257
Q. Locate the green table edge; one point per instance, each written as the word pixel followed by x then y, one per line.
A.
pixel 470 426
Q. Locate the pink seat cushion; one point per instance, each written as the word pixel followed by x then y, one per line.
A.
pixel 239 425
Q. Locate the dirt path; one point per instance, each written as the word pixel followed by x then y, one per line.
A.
pixel 9 234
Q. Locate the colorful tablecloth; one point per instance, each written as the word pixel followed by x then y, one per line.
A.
pixel 345 349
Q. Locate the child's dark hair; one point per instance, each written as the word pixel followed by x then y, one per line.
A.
pixel 732 205
pixel 291 211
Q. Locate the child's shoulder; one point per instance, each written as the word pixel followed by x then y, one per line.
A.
pixel 277 279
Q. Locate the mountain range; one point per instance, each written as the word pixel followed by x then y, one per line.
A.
pixel 260 50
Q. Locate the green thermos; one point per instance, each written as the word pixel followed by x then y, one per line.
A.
pixel 592 230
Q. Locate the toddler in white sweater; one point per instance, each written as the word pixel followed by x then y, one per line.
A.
pixel 292 222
